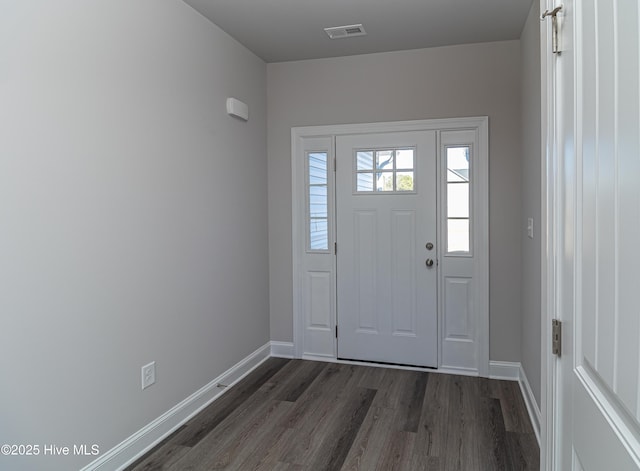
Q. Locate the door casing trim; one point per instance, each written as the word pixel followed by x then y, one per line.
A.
pixel 481 232
pixel 548 387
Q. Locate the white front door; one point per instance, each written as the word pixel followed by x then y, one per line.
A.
pixel 386 188
pixel 595 231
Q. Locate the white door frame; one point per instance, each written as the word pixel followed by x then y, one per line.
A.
pixel 547 249
pixel 481 228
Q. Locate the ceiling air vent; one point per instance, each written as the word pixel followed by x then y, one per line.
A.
pixel 339 32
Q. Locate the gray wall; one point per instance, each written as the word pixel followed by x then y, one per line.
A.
pixel 531 199
pixel 470 80
pixel 133 216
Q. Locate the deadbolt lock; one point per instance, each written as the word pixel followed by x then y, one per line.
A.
pixel 429 246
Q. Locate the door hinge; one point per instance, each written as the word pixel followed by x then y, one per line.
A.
pixel 335 248
pixel 335 164
pixel 556 337
pixel 336 330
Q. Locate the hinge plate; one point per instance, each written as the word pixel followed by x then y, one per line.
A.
pixel 556 337
pixel 336 330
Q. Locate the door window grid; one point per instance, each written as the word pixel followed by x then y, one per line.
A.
pixel 458 181
pixel 317 201
pixel 385 171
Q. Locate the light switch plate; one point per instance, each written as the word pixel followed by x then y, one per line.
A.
pixel 530 228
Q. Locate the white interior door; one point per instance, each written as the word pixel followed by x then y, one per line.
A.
pixel 595 234
pixel 386 187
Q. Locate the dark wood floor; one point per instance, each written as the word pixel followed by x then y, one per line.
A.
pixel 304 415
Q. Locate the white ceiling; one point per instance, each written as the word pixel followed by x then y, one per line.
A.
pixel 285 30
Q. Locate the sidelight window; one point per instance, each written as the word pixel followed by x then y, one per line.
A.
pixel 458 216
pixel 317 201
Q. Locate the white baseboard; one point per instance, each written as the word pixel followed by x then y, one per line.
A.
pixel 282 349
pixel 507 370
pixel 146 438
pixel 513 371
pixel 530 402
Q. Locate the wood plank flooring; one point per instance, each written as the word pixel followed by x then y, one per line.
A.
pixel 305 415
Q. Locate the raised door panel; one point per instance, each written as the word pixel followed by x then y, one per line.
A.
pixel 458 318
pixel 318 289
pixel 598 424
pixel 627 350
pixel 403 272
pixel 365 269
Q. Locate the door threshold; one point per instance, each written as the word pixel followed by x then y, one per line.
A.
pixel 328 359
pixel 387 364
pixel 427 369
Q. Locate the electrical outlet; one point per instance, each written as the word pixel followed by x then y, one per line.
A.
pixel 148 374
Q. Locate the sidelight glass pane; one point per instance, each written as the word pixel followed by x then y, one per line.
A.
pixel 318 234
pixel 458 200
pixel 404 181
pixel 318 202
pixel 458 235
pixel 364 182
pixel 404 159
pixel 458 164
pixel 317 168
